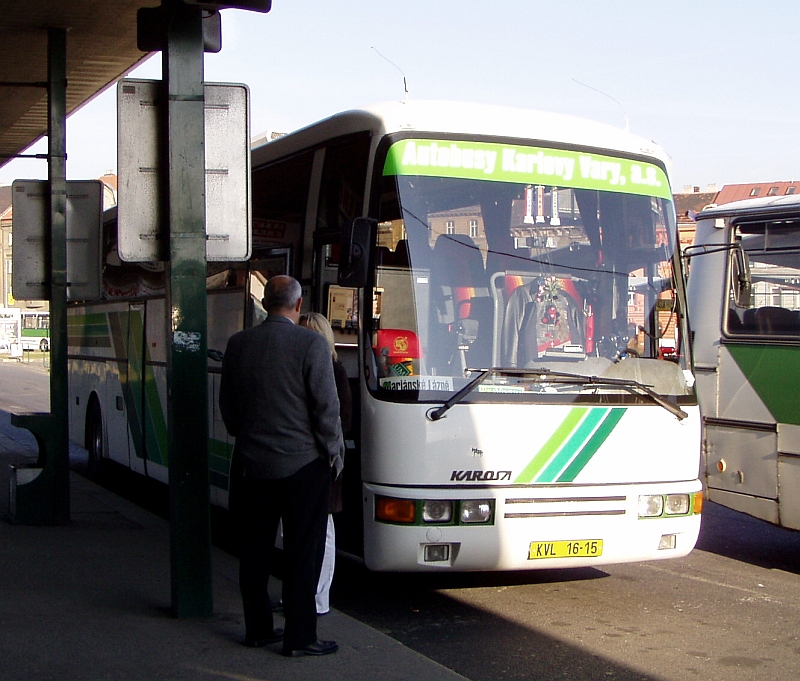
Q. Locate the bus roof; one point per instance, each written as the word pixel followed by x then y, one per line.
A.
pixel 467 119
pixel 772 206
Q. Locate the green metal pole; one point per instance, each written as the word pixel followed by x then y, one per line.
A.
pixel 44 500
pixel 187 365
pixel 57 176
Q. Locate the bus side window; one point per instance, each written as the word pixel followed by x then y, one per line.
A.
pixel 344 177
pixel 280 202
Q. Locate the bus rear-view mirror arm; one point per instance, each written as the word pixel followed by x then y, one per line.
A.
pixel 354 254
pixel 741 279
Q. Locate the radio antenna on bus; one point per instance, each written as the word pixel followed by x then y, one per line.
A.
pixel 405 83
pixel 605 94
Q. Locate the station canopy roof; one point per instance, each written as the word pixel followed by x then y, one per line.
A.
pixel 101 47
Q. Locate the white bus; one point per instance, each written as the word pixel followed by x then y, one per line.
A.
pixel 501 283
pixel 744 293
pixel 35 330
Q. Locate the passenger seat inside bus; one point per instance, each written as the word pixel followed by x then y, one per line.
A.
pixel 461 303
pixel 777 321
pixel 765 321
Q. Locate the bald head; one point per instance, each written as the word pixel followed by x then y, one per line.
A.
pixel 283 296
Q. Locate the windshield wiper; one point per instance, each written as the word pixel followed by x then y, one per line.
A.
pixel 629 384
pixel 542 375
pixel 439 412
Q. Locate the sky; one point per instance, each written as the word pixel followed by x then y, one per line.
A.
pixel 709 81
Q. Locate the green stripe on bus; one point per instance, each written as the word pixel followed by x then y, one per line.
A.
pixel 774 373
pixel 117 323
pixel 591 447
pixel 552 445
pixel 570 448
pixel 88 331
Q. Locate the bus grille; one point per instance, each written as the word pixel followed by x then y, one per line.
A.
pixel 546 507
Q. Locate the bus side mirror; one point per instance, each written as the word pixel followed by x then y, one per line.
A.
pixel 354 253
pixel 741 281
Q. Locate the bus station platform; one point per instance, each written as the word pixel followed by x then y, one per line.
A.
pixel 91 600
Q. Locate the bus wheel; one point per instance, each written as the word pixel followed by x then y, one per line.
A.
pixel 94 439
pixel 44 345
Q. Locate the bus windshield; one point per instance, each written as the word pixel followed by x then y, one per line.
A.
pixel 555 260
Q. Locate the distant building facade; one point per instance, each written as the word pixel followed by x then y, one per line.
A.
pixel 737 192
pixel 691 201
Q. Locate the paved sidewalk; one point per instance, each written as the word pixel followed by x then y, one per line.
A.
pixel 91 601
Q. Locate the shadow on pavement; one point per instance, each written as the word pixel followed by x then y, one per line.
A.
pixel 750 540
pixel 473 642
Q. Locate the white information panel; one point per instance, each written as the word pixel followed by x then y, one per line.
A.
pixel 31 267
pixel 142 234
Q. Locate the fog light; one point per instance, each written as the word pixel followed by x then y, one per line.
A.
pixel 435 553
pixel 677 504
pixel 650 505
pixel 667 542
pixel 437 511
pixel 476 511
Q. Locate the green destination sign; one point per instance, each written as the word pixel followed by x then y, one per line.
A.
pixel 526 165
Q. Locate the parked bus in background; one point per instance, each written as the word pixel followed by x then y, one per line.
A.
pixel 500 283
pixel 35 330
pixel 744 298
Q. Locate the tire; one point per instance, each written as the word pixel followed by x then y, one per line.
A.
pixel 94 439
pixel 44 345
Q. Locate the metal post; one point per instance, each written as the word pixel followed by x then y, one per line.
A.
pixel 39 495
pixel 187 365
pixel 57 176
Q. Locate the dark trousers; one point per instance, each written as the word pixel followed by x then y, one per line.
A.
pixel 301 501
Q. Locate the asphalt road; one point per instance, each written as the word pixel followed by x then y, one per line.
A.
pixel 24 386
pixel 728 611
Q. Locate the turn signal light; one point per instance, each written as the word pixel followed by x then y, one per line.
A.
pixel 392 510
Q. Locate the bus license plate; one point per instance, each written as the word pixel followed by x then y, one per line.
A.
pixel 579 548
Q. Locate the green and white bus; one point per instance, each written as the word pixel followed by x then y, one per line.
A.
pixel 744 299
pixel 501 284
pixel 35 330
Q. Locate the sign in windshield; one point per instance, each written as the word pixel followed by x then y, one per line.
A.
pixel 524 164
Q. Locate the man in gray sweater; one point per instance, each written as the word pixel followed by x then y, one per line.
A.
pixel 278 399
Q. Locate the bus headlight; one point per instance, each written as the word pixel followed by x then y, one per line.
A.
pixel 651 505
pixel 476 511
pixel 437 511
pixel 677 504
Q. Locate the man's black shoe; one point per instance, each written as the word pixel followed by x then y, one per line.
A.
pixel 261 641
pixel 316 648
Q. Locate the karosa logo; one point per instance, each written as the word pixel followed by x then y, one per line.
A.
pixel 480 476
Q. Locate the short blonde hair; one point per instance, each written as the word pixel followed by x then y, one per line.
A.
pixel 318 322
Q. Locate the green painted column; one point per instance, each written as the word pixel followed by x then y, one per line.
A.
pixel 45 499
pixel 187 367
pixel 57 176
